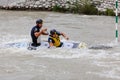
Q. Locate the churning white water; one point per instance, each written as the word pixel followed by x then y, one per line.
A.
pixel 59 64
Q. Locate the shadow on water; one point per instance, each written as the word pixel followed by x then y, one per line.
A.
pixel 101 46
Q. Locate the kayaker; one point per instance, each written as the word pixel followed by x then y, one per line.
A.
pixel 54 38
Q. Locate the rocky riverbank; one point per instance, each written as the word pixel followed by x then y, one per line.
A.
pixel 101 5
pixel 37 4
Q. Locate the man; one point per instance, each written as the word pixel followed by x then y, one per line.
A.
pixel 36 32
pixel 54 38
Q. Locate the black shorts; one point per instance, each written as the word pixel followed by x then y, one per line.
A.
pixel 34 41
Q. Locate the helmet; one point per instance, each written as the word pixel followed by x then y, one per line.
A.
pixel 39 21
pixel 53 31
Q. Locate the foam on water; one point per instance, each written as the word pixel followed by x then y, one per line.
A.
pixel 17 45
pixel 109 69
pixel 106 60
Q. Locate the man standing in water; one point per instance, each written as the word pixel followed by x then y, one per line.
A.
pixel 36 32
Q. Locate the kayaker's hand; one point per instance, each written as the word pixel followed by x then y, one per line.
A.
pixel 52 47
pixel 67 38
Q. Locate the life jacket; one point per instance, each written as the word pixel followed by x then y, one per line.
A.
pixel 56 41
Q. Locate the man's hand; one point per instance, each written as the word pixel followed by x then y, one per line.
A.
pixel 44 31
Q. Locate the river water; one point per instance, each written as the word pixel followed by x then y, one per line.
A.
pixel 59 64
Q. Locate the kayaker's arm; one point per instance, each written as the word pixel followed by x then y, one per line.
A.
pixel 64 35
pixel 50 44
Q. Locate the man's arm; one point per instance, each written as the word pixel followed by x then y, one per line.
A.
pixel 42 32
pixel 37 34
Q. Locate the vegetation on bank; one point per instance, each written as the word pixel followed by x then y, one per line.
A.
pixel 86 7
